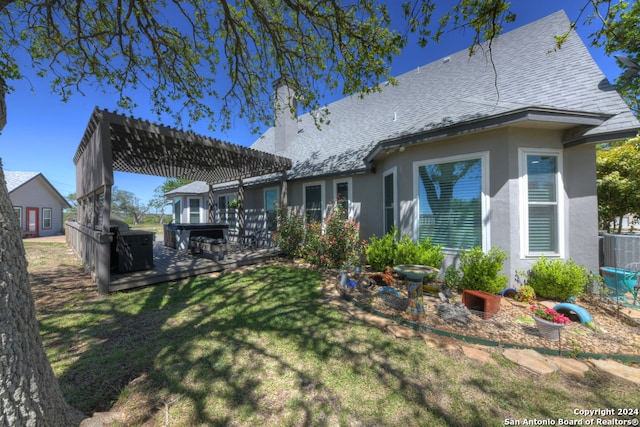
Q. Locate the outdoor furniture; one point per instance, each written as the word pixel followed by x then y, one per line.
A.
pixel 620 281
pixel 215 247
pixel 178 236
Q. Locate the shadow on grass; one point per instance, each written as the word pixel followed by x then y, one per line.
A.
pixel 261 348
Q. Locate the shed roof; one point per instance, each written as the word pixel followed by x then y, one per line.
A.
pixel 142 147
pixel 16 179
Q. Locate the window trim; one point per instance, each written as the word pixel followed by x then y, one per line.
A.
pixel 349 197
pixel 523 153
pixel 199 199
pixel 485 197
pixel 322 198
pixel 264 200
pixel 18 210
pixel 44 218
pixel 394 173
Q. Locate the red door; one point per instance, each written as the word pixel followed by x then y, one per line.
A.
pixel 32 221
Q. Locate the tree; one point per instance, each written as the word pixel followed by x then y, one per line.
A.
pixel 618 172
pixel 159 202
pixel 185 53
pixel 621 33
pixel 127 205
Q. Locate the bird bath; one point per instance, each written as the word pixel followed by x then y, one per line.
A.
pixel 415 274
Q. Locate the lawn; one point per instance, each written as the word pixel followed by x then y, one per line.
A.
pixel 260 347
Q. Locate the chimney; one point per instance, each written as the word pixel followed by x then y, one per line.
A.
pixel 285 110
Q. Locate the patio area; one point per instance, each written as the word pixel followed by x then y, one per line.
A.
pixel 171 264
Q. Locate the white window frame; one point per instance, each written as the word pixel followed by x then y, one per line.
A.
pixel 349 194
pixel 44 218
pixel 177 213
pixel 224 213
pixel 485 198
pixel 199 199
pixel 322 198
pixel 264 199
pixel 394 173
pixel 523 153
pixel 18 211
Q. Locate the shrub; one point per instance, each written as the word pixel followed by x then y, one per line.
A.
pixel 452 278
pixel 290 231
pixel 557 278
pixel 381 252
pixel 526 294
pixel 480 270
pixel 422 253
pixel 388 251
pixel 335 245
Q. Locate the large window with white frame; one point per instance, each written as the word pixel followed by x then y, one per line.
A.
pixel 541 202
pixel 390 203
pixel 452 201
pixel 313 201
pixel 46 218
pixel 194 211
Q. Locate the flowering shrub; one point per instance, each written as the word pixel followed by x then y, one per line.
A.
pixel 549 314
pixel 334 245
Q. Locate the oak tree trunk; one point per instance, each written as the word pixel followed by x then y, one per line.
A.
pixel 29 391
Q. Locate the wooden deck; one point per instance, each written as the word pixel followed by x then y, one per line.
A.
pixel 170 264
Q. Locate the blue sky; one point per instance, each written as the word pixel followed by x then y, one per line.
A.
pixel 43 133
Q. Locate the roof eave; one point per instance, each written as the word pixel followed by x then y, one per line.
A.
pixel 576 118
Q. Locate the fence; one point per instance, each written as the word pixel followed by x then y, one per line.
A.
pixel 620 249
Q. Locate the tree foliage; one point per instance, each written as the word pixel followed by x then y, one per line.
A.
pixel 620 33
pixel 618 172
pixel 126 205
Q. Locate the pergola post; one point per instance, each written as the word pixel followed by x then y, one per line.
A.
pixel 240 212
pixel 283 190
pixel 211 211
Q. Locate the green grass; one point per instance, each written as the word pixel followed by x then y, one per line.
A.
pixel 260 348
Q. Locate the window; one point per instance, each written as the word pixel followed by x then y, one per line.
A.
pixel 389 199
pixel 270 206
pixel 18 211
pixel 451 202
pixel 313 202
pixel 342 194
pixel 46 217
pixel 541 204
pixel 226 215
pixel 177 211
pixel 194 211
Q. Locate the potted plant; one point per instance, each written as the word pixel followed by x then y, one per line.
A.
pixel 549 322
pixel 235 204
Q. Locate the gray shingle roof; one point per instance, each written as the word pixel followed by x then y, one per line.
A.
pixel 458 89
pixel 16 179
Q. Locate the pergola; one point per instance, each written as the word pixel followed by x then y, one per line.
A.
pixel 113 142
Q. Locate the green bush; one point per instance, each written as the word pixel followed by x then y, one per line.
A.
pixel 382 251
pixel 557 278
pixel 388 251
pixel 422 253
pixel 480 271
